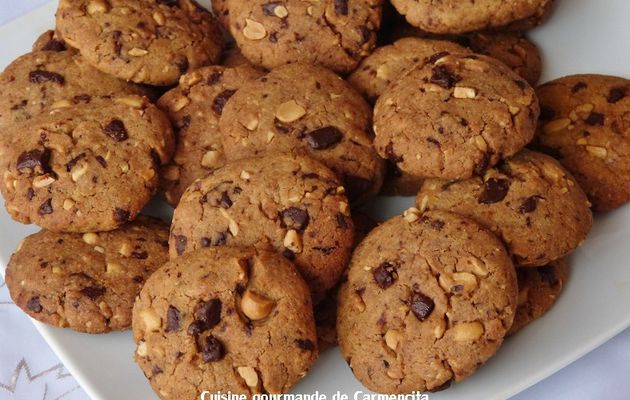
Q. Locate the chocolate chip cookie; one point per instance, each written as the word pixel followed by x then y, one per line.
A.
pixel 585 124
pixel 291 204
pixel 145 41
pixel 336 34
pixel 454 117
pixel 308 109
pixel 49 79
pixel 224 319
pixel 86 282
pixel 194 107
pixel 454 16
pixel 538 290
pixel 429 298
pixel 530 201
pixel 85 167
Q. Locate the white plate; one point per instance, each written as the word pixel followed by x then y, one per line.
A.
pixel 582 36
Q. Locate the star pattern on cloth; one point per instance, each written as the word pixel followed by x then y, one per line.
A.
pixel 23 376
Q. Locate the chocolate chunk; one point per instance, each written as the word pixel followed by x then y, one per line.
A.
pixel 443 386
pixel 82 98
pixel 356 186
pixel 173 320
pixel 116 35
pixel 483 165
pixel 547 274
pixel 34 305
pixel 437 224
pixel 121 216
pixel 137 279
pixel 101 161
pixel 215 77
pixel 46 207
pixel 288 254
pixel 169 3
pixel 93 292
pixel 156 370
pixel 74 162
pixel 269 7
pixel 324 138
pixel 181 242
pixel 326 250
pixel 529 205
pixel 342 223
pixel 35 159
pixel 195 328
pixel 443 77
pixel 294 218
pixel 54 45
pixel 595 118
pixel 225 200
pixel 30 194
pixel 221 99
pixel 212 350
pixel 341 7
pixel 305 344
pixel 41 76
pixel 273 37
pixel 183 65
pixel 578 86
pixel 494 190
pixel 140 255
pixel 521 84
pixel 616 94
pixel 437 56
pixel 385 275
pixel 391 156
pixel 116 130
pixel 421 305
pixel 209 313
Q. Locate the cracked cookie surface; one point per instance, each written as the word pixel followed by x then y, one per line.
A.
pixel 538 290
pixel 145 41
pixel 305 109
pixel 455 16
pixel 529 200
pixel 291 204
pixel 429 298
pixel 336 34
pixel 224 319
pixel 86 282
pixel 585 124
pixel 86 167
pixel 194 107
pixel 47 79
pixel 455 117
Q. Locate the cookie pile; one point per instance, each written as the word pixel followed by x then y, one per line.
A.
pixel 268 146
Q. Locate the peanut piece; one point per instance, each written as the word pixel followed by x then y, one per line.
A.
pixel 392 339
pixel 150 318
pixel 464 93
pixel 292 241
pixel 210 159
pixel 250 376
pixel 43 181
pixel 90 238
pixel 137 52
pixel 256 306
pixel 556 125
pixel 411 214
pixel 597 151
pixel 290 111
pixel 468 331
pixel 254 30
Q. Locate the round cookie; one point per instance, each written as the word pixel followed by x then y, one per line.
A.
pixel 225 319
pixel 145 41
pixel 86 167
pixel 530 201
pixel 586 125
pixel 455 16
pixel 389 63
pixel 194 107
pixel 306 109
pixel 429 298
pixel 49 41
pixel 335 34
pixel 538 290
pixel 86 282
pixel 454 117
pixel 291 204
pixel 44 79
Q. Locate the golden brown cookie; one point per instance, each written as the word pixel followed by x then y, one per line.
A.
pixel 454 117
pixel 224 319
pixel 293 205
pixel 429 298
pixel 305 109
pixel 194 107
pixel 85 167
pixel 86 282
pixel 145 41
pixel 530 201
pixel 586 125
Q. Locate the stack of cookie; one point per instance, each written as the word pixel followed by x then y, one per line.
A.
pixel 268 158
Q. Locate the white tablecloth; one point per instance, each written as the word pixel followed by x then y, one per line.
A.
pixel 29 370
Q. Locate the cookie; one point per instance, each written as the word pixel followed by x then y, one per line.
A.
pixel 194 107
pixel 86 282
pixel 225 319
pixel 530 201
pixel 144 41
pixel 454 117
pixel 306 109
pixel 85 167
pixel 538 290
pixel 389 63
pixel 454 16
pixel 585 124
pixel 429 299
pixel 288 203
pixel 49 41
pixel 335 34
pixel 48 79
